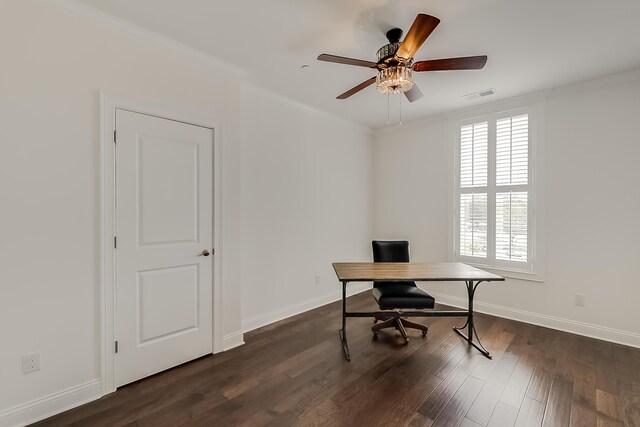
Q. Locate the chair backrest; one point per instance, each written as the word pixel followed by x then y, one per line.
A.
pixel 390 251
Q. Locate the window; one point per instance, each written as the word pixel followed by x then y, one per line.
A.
pixel 494 224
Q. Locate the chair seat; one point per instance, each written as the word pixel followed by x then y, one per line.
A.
pixel 390 296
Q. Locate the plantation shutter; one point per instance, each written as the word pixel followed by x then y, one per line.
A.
pixel 474 140
pixel 494 192
pixel 512 173
pixel 473 154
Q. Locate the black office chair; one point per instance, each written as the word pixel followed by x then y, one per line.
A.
pixel 397 295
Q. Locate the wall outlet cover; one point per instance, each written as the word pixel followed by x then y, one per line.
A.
pixel 30 363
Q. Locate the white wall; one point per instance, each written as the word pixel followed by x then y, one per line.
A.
pixel 591 204
pixel 411 186
pixel 55 63
pixel 54 66
pixel 307 200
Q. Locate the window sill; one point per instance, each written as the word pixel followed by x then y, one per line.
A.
pixel 505 272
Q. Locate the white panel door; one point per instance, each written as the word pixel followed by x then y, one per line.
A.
pixel 164 222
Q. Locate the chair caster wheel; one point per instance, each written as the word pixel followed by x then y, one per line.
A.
pixel 375 334
pixel 424 333
pixel 375 321
pixel 406 342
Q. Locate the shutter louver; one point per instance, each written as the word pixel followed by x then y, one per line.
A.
pixel 511 226
pixel 512 150
pixel 473 154
pixel 473 225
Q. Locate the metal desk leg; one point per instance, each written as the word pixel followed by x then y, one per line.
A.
pixel 471 329
pixel 343 332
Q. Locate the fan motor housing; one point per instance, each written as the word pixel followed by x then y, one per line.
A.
pixel 387 53
pixel 394 35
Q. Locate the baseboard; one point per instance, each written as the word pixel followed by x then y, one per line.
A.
pixel 567 325
pixel 259 321
pixel 233 340
pixel 52 404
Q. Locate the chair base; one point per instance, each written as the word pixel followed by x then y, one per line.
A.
pixel 392 320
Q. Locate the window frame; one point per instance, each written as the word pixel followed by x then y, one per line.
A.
pixel 532 268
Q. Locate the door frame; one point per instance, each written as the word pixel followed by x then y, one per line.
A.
pixel 107 268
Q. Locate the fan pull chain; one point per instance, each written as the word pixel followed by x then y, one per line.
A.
pixel 388 108
pixel 400 110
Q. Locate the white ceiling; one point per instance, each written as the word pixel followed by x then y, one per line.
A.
pixel 531 44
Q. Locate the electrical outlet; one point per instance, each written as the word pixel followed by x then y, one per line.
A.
pixel 578 299
pixel 30 363
pixel 317 279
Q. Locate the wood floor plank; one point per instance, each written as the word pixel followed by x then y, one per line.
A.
pixel 411 387
pixel 558 412
pixel 606 378
pixel 409 391
pixel 610 409
pixel 246 405
pixel 540 384
pixel 630 393
pixel 518 383
pixel 284 376
pixel 416 420
pixel 283 419
pixel 260 418
pixel 435 403
pixel 468 423
pixel 485 367
pixel 503 416
pixel 292 364
pixel 583 404
pixel 531 413
pixel 624 358
pixel 457 407
pixel 484 405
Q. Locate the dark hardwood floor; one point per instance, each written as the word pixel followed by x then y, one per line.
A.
pixel 293 373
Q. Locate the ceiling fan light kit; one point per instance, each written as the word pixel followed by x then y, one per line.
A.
pixel 395 79
pixel 395 66
pixel 393 76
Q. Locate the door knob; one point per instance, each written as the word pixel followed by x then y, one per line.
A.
pixel 204 253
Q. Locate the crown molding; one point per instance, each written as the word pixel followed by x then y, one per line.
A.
pixel 122 26
pixel 597 83
pixel 500 105
pixel 520 100
pixel 286 100
pixel 418 121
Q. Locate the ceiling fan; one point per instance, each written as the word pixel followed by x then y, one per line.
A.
pixel 395 64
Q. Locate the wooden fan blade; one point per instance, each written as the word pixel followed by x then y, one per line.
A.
pixel 414 93
pixel 357 89
pixel 465 63
pixel 421 28
pixel 347 61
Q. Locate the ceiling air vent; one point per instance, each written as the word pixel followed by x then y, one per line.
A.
pixel 477 95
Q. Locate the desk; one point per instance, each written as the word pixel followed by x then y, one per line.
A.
pixel 417 272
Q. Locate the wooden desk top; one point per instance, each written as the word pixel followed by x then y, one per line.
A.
pixel 414 271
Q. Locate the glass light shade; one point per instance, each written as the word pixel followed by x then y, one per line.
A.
pixel 388 50
pixel 394 79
